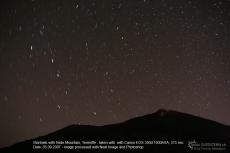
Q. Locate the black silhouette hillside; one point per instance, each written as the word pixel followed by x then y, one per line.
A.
pixel 167 127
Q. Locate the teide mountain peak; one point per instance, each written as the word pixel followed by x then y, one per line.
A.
pixel 162 131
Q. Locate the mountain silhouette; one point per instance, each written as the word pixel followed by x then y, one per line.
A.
pixel 162 131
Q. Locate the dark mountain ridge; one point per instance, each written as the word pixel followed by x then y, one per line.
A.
pixel 160 127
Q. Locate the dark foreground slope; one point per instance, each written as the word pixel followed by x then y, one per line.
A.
pixel 163 131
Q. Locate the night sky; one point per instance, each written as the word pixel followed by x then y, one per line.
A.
pixel 105 61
